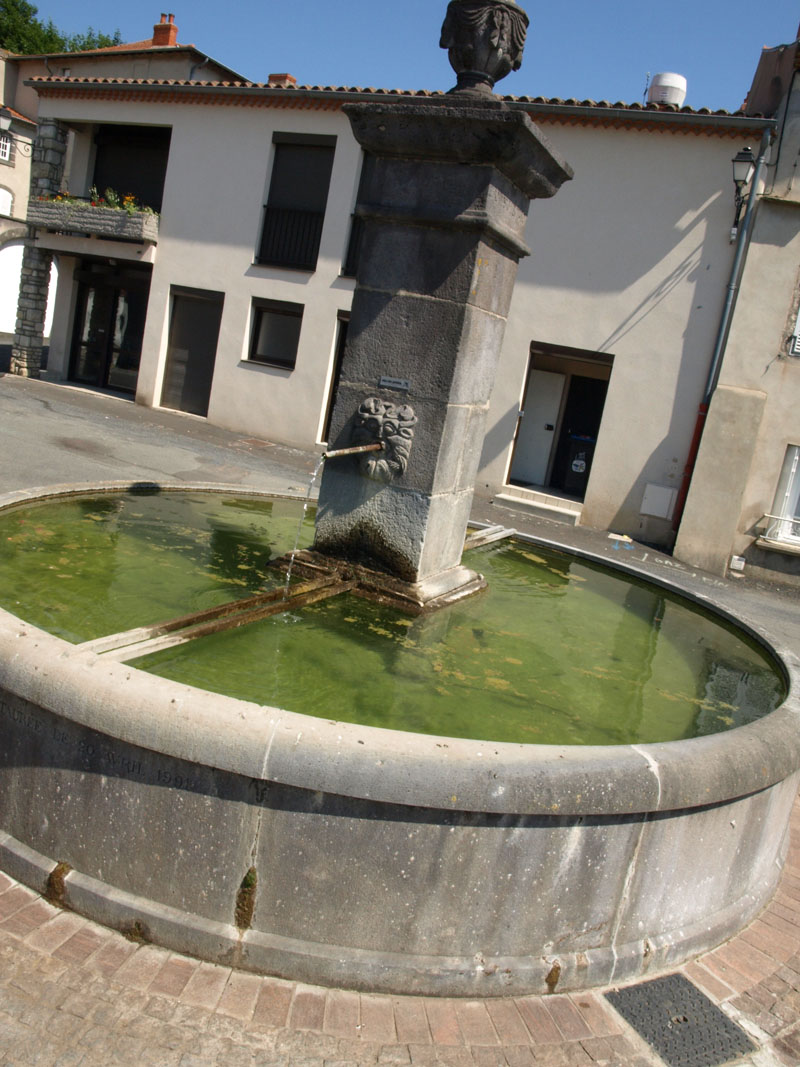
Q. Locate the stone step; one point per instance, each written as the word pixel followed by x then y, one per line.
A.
pixel 557 509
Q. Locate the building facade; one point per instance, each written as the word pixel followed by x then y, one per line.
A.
pixel 231 303
pixel 744 499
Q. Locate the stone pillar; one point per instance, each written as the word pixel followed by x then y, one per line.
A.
pixel 444 201
pixel 709 525
pixel 47 172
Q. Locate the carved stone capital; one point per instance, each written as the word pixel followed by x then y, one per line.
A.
pixel 390 424
pixel 485 40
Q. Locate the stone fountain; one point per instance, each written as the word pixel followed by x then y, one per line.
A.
pixel 444 200
pixel 371 858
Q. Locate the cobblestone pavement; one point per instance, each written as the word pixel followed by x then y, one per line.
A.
pixel 74 994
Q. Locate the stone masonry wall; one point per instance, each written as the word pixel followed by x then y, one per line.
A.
pixel 47 172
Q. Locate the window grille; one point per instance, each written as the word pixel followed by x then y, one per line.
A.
pixel 295 208
pixel 784 523
pixel 5 148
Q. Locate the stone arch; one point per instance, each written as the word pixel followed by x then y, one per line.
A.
pixel 14 235
pixel 12 243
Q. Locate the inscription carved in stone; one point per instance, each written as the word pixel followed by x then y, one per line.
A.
pixel 484 40
pixel 392 425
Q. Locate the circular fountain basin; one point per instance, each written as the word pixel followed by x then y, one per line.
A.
pixel 374 858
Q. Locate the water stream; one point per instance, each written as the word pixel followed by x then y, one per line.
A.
pixel 300 522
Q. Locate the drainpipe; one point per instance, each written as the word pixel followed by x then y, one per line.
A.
pixel 198 66
pixel 724 328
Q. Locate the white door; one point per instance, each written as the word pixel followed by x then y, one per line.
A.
pixel 537 427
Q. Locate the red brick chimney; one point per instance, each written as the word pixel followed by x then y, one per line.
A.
pixel 281 81
pixel 165 32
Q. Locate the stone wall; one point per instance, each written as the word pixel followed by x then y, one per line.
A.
pixel 47 172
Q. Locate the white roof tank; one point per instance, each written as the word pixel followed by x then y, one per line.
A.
pixel 667 88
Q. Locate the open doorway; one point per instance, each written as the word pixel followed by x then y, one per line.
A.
pixel 559 421
pixel 109 325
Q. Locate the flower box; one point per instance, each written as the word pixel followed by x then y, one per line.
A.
pixel 65 216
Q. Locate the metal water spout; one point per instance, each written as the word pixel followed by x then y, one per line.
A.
pixel 334 453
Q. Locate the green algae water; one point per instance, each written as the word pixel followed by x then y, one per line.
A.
pixel 556 651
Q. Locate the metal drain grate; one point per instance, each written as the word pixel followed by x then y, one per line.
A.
pixel 684 1027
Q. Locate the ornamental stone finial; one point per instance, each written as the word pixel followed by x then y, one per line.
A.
pixel 485 40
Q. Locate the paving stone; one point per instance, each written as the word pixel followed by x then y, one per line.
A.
pixel 747 959
pixel 160 1008
pixel 13 899
pixel 476 1023
pixel 206 985
pixel 174 976
pixel 239 996
pixel 770 918
pixel 482 1056
pixel 455 1057
pixel 377 1019
pixel 69 1059
pixel 443 1022
pixel 111 955
pixel 710 984
pixel 519 1055
pixel 598 1015
pixel 728 974
pixel 190 1018
pixel 308 1009
pixel 341 1013
pixel 33 916
pixel 779 946
pixel 776 985
pixel 424 1055
pixel 236 1056
pixel 567 1018
pixel 272 1003
pixel 411 1021
pixel 62 926
pixel 394 1054
pixel 540 1023
pixel 139 970
pixel 82 945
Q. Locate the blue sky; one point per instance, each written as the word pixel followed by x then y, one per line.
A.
pixel 578 49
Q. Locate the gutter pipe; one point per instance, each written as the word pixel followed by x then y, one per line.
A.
pixel 724 327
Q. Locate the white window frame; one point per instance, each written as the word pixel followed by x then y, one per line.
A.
pixel 786 507
pixel 5 148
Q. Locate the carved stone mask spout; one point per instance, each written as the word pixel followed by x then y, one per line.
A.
pixel 392 425
pixel 484 40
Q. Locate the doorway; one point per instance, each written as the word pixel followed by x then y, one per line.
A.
pixel 191 350
pixel 109 326
pixel 342 320
pixel 560 419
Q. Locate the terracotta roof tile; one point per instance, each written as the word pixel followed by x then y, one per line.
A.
pixel 571 102
pixel 17 115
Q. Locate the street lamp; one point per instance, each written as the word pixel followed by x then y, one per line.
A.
pixel 744 165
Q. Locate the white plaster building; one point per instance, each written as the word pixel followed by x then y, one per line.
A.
pixel 235 310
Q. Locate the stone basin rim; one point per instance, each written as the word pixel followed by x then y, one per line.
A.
pixel 392 766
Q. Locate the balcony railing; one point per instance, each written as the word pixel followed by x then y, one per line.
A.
pixel 291 238
pixel 80 217
pixel 781 529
